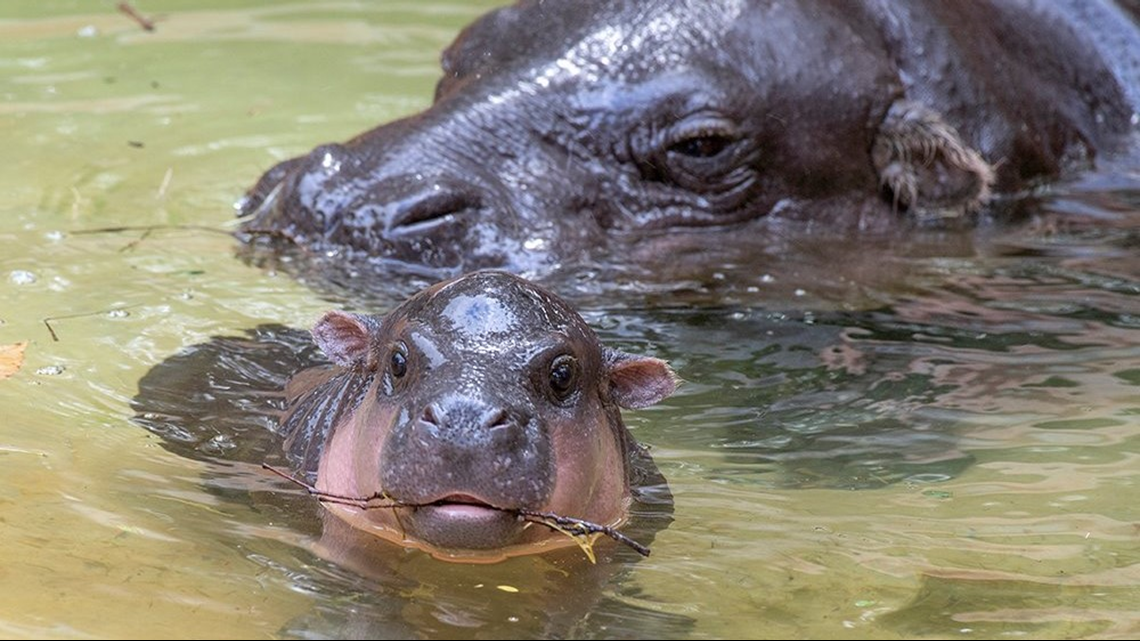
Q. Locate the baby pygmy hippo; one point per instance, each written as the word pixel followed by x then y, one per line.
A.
pixel 470 418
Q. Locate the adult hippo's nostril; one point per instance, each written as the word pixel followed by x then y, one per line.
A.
pixel 433 205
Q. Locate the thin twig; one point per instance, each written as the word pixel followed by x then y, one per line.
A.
pixel 565 524
pixel 146 228
pixel 580 527
pixel 50 319
pixel 144 22
pixel 165 183
pixel 366 503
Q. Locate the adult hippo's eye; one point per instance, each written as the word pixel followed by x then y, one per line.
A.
pixel 702 146
pixel 563 376
pixel 705 153
pixel 701 137
pixel 399 363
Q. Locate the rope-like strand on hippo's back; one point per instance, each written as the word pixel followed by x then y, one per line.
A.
pixel 568 525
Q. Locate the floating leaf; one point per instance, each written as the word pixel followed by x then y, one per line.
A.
pixel 585 541
pixel 11 358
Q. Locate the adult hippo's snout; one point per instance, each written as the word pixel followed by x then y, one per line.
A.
pixel 431 190
pixel 361 204
pixel 562 123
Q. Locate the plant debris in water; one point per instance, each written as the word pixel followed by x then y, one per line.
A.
pixel 11 359
pixel 582 532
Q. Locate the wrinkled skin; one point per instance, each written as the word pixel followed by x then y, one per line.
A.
pixel 560 125
pixel 479 393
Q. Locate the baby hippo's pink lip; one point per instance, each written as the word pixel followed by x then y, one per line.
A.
pixel 462 506
pixel 462 521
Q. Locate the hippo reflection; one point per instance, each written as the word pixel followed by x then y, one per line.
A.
pixel 559 125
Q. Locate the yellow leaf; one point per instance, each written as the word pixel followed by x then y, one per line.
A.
pixel 11 358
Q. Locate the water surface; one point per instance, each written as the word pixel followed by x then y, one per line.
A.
pixel 933 437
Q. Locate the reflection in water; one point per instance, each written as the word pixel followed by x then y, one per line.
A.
pixel 933 435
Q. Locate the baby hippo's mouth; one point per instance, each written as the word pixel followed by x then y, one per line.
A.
pixel 465 522
pixel 463 506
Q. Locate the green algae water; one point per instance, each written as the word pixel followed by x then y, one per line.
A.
pixel 931 439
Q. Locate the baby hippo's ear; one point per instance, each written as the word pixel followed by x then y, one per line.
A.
pixel 345 338
pixel 638 381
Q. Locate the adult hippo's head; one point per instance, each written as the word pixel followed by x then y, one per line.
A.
pixel 478 401
pixel 560 124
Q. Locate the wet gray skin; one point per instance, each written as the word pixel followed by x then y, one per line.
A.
pixel 477 397
pixel 560 126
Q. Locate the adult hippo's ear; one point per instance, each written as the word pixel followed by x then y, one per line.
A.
pixel 484 45
pixel 346 338
pixel 638 381
pixel 926 166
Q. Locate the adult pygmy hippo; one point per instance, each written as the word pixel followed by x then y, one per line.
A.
pixel 476 401
pixel 560 123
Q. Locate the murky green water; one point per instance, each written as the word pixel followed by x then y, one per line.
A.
pixel 937 438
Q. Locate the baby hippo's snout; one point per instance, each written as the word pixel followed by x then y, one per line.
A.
pixel 466 464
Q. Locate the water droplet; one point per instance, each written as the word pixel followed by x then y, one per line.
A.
pixel 50 370
pixel 767 278
pixel 800 292
pixel 87 31
pixel 219 444
pixel 118 313
pixel 22 277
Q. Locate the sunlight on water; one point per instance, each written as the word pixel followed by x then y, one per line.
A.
pixel 940 441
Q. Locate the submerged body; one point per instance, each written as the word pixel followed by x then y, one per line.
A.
pixel 476 401
pixel 560 125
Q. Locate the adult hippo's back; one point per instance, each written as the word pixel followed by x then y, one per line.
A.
pixel 558 125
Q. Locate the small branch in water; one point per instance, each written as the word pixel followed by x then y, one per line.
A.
pixel 565 524
pixel 366 503
pixel 50 319
pixel 146 228
pixel 147 231
pixel 165 183
pixel 144 22
pixel 580 527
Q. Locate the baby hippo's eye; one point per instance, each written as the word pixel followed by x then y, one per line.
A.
pixel 563 376
pixel 399 364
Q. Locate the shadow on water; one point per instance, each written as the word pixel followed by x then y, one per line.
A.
pixel 218 402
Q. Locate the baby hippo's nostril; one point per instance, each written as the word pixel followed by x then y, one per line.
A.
pixel 496 418
pixel 431 415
